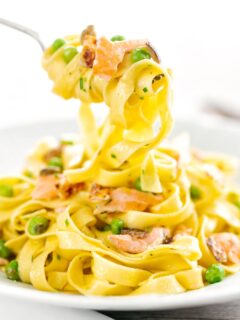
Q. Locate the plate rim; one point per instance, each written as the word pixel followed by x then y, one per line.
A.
pixel 194 298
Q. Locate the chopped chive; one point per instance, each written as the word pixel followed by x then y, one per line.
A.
pixel 113 156
pixel 117 38
pixel 58 257
pixel 67 142
pixel 81 83
pixel 66 222
pixel 195 193
pixel 140 54
pixel 145 89
pixel 56 162
pixel 137 184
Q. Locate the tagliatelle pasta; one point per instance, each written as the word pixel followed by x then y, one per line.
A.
pixel 117 209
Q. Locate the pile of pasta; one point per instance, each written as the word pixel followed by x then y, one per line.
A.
pixel 127 211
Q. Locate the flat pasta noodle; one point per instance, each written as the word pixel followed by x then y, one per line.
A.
pixel 117 209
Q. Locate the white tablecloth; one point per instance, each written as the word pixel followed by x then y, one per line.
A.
pixel 12 309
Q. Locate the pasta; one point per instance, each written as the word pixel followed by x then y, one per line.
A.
pixel 117 209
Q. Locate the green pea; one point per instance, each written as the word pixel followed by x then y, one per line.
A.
pixel 116 226
pixel 140 54
pixel 69 53
pixel 11 271
pixel 38 225
pixel 137 184
pixel 215 273
pixel 117 38
pixel 57 44
pixel 56 162
pixel 5 252
pixel 6 191
pixel 195 193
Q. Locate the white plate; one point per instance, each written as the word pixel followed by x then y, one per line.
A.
pixel 15 142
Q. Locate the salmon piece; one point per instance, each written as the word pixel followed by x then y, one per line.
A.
pixel 46 188
pixel 51 187
pixel 181 231
pixel 88 31
pixel 135 243
pixel 66 189
pixel 134 233
pixel 125 199
pixel 89 50
pixel 225 247
pixel 99 193
pixel 110 54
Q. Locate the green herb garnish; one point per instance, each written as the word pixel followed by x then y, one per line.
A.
pixel 56 162
pixel 195 192
pixel 140 54
pixel 137 184
pixel 81 83
pixel 117 38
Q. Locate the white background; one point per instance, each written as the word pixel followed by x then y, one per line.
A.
pixel 199 40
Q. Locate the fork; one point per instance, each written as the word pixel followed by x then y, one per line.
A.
pixel 35 35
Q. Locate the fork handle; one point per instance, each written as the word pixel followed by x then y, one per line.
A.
pixel 25 30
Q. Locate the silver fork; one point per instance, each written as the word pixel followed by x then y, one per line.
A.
pixel 35 35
